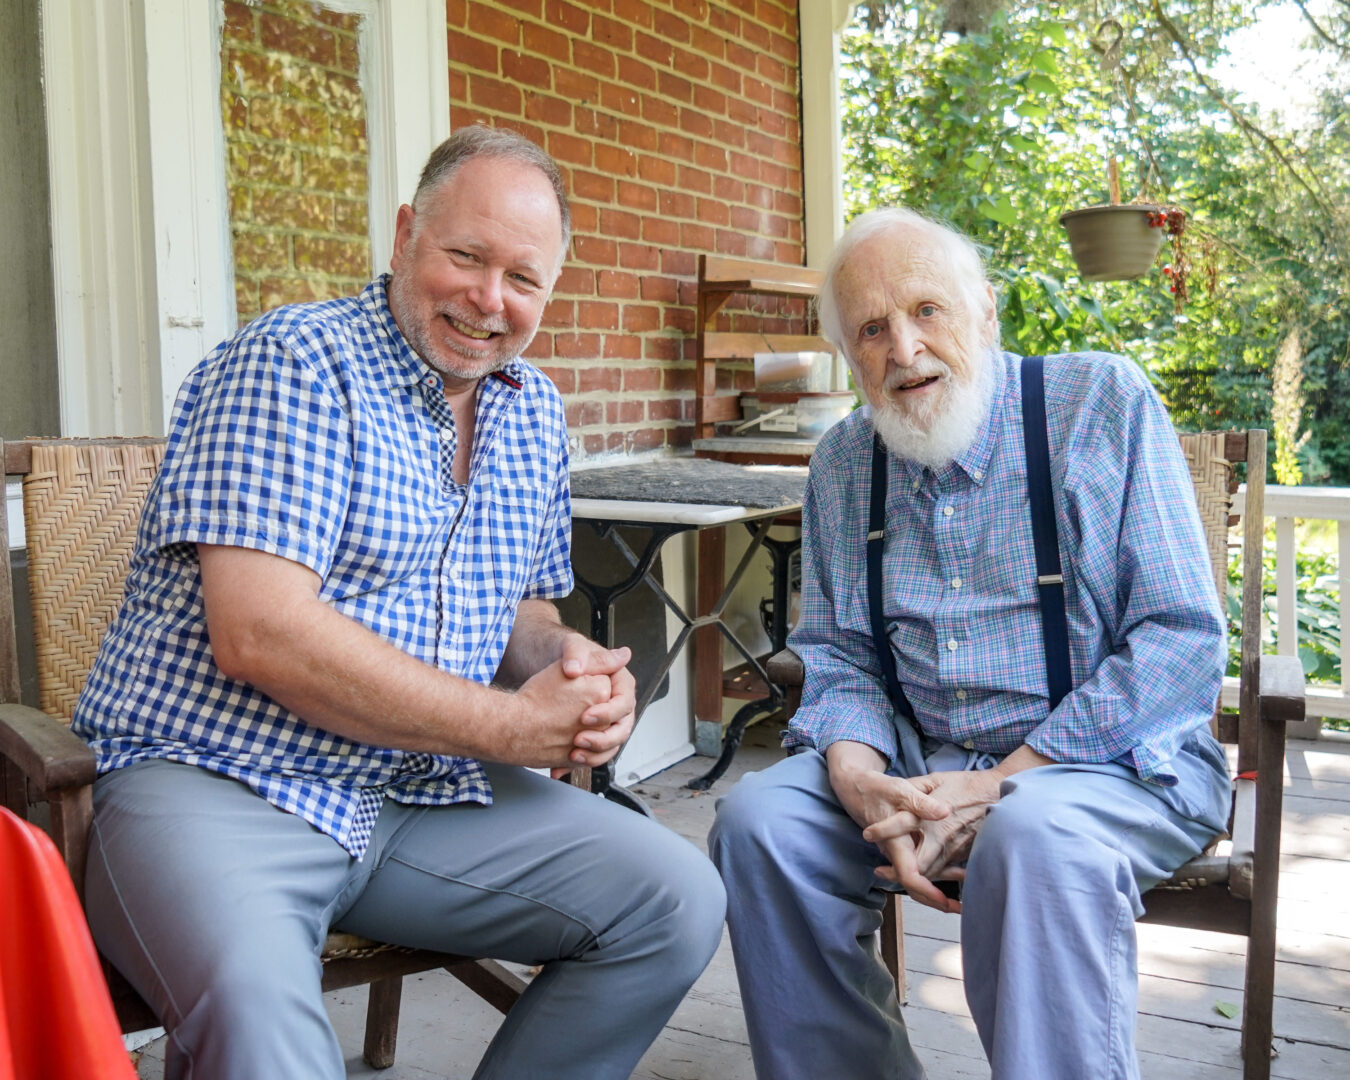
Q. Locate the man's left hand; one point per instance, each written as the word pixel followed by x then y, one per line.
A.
pixel 942 844
pixel 609 724
pixel 937 848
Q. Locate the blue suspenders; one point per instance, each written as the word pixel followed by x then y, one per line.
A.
pixel 1049 578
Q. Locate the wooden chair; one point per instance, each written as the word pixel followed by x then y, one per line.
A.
pixel 1232 891
pixel 82 502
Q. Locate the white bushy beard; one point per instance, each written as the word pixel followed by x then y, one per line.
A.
pixel 947 431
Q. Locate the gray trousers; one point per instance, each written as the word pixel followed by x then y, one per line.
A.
pixel 1047 929
pixel 215 905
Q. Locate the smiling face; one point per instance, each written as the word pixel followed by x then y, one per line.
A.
pixel 918 338
pixel 473 267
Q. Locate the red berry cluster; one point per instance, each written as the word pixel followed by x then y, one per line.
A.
pixel 1171 218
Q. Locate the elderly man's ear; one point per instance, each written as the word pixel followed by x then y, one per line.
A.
pixel 990 320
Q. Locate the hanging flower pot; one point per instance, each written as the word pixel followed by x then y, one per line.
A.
pixel 1113 242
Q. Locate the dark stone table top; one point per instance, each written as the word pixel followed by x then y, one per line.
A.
pixel 694 480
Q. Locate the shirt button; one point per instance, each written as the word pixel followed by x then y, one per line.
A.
pixel 452 574
pixel 969 744
pixel 914 486
pixel 948 511
pixel 951 645
pixel 960 695
pixel 978 474
pixel 956 583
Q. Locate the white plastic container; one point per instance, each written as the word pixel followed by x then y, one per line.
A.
pixel 800 372
pixel 793 415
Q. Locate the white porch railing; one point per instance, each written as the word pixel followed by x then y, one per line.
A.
pixel 1284 504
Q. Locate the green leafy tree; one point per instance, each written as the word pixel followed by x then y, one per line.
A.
pixel 999 115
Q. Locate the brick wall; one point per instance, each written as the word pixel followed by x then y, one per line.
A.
pixel 677 124
pixel 295 153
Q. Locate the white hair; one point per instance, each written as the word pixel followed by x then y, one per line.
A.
pixel 966 263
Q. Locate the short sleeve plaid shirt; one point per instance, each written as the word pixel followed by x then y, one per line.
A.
pixel 1146 637
pixel 309 436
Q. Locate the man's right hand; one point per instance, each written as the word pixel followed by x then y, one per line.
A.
pixel 858 777
pixel 546 718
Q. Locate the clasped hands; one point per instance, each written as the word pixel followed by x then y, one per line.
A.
pixel 924 826
pixel 581 707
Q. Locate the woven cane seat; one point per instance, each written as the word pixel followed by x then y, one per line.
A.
pixel 82 504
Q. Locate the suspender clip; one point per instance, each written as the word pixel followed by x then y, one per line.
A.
pixel 875 534
pixel 1050 579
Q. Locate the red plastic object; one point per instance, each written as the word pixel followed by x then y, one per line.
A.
pixel 56 1020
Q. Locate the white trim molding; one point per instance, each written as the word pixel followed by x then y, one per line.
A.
pixel 194 299
pixel 405 75
pixel 821 24
pixel 100 207
pixel 140 219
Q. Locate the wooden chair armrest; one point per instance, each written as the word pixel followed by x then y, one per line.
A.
pixel 1258 799
pixel 44 749
pixel 1282 694
pixel 60 765
pixel 785 668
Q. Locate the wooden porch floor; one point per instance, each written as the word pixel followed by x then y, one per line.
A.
pixel 1184 974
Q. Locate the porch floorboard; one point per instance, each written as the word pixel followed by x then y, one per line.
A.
pixel 1184 974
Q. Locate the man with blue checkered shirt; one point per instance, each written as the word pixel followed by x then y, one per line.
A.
pixel 337 658
pixel 1033 729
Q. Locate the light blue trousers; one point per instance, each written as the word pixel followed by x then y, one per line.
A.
pixel 1047 931
pixel 215 905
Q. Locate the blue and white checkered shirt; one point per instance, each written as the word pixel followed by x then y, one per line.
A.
pixel 317 434
pixel 1146 638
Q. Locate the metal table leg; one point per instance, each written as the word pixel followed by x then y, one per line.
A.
pixel 602 599
pixel 782 552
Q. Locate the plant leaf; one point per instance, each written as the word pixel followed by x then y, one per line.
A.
pixel 1226 1008
pixel 1001 211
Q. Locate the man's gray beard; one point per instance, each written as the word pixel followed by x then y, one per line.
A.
pixel 951 431
pixel 474 365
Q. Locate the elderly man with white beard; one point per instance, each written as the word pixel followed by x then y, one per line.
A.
pixel 1021 532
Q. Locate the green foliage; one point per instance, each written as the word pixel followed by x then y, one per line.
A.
pixel 951 126
pixel 1001 130
pixel 1317 607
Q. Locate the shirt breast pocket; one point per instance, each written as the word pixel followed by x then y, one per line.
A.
pixel 515 522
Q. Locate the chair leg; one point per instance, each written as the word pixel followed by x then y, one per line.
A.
pixel 382 1021
pixel 893 945
pixel 498 986
pixel 1258 1000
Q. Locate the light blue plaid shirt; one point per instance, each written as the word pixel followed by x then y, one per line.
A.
pixel 1146 638
pixel 318 435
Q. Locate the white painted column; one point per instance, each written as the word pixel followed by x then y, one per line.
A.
pixel 821 23
pixel 106 334
pixel 194 295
